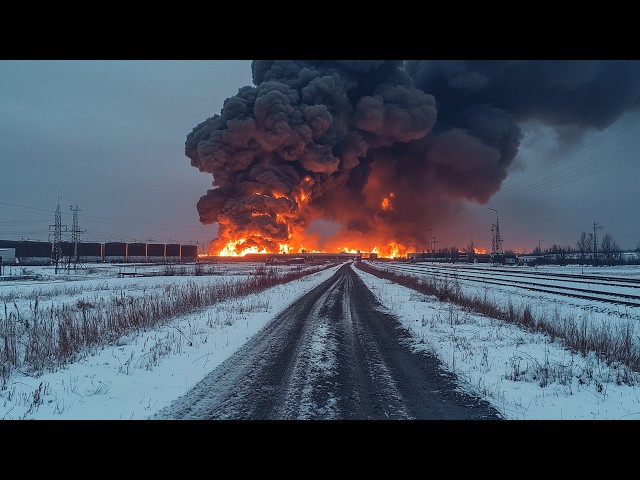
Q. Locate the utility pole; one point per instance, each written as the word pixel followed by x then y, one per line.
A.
pixel 432 242
pixel 596 227
pixel 57 236
pixel 75 233
pixel 495 234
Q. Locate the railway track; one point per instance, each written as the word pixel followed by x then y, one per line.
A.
pixel 607 289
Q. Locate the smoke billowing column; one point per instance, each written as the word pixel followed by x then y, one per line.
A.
pixel 383 148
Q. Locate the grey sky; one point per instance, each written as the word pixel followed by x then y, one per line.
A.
pixel 555 191
pixel 109 136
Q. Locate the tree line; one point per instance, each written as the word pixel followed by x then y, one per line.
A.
pixel 588 252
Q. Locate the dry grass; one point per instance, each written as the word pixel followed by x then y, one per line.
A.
pixel 614 344
pixel 46 338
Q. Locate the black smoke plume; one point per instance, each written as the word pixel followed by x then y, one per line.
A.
pixel 383 148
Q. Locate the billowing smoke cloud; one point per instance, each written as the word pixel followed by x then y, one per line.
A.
pixel 383 148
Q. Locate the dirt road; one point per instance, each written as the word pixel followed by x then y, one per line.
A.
pixel 333 354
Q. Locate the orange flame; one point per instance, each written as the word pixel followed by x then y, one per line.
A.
pixel 386 202
pixel 230 249
pixel 237 247
pixel 396 250
pixel 285 248
pixel 234 248
pixel 305 186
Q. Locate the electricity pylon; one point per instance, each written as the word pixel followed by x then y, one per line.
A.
pixel 596 227
pixel 496 240
pixel 57 236
pixel 75 233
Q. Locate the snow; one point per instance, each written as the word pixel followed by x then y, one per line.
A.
pixel 524 375
pixel 139 375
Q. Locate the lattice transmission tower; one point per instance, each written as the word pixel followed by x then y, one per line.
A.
pixel 57 236
pixel 496 240
pixel 596 227
pixel 75 233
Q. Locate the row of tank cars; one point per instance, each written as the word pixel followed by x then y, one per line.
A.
pixel 25 252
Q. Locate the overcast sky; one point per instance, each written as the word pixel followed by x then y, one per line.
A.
pixel 109 137
pixel 555 191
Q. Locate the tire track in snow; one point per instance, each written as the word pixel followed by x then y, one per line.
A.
pixel 335 353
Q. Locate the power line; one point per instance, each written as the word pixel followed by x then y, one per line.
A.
pixel 564 161
pixel 92 218
pixel 564 171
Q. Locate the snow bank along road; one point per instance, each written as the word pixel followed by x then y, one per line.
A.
pixel 332 354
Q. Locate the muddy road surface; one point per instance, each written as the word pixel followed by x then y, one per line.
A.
pixel 333 354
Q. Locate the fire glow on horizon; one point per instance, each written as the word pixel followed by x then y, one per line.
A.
pixel 239 247
pixel 236 248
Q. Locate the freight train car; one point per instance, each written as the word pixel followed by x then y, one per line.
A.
pixel 7 256
pixel 115 252
pixel 24 252
pixel 136 252
pixel 173 253
pixel 90 252
pixel 83 252
pixel 29 252
pixel 156 253
pixel 189 253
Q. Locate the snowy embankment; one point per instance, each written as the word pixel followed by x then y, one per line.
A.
pixel 525 375
pixel 146 371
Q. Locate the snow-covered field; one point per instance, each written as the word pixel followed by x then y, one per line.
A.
pixel 545 305
pixel 138 374
pixel 525 375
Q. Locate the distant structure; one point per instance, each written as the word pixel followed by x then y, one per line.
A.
pixel 57 236
pixel 596 227
pixel 432 241
pixel 75 233
pixel 496 241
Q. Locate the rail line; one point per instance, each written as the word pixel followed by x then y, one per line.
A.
pixel 614 290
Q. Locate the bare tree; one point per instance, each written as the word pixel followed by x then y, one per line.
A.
pixel 471 252
pixel 610 250
pixel 585 244
pixel 560 253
